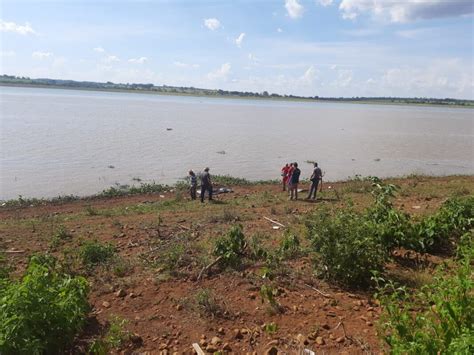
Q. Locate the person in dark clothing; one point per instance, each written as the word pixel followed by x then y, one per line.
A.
pixel 316 177
pixel 193 184
pixel 206 184
pixel 294 180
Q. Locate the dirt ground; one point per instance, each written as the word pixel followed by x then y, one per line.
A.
pixel 164 241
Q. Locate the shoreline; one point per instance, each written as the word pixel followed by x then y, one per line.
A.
pixel 181 186
pixel 236 97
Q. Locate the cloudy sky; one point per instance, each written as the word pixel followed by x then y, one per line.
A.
pixel 421 48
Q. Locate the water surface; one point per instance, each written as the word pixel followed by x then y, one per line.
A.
pixel 57 142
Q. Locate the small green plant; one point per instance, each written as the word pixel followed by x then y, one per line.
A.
pixel 230 248
pixel 91 211
pixel 270 328
pixel 208 304
pixel 289 246
pixel 42 312
pixel 256 249
pixel 268 294
pixel 59 237
pixel 115 337
pixel 93 253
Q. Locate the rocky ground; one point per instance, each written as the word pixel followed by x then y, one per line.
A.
pixel 163 241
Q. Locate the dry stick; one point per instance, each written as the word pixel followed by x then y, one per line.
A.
pixel 275 222
pixel 321 293
pixel 184 227
pixel 198 349
pixel 206 268
pixel 14 251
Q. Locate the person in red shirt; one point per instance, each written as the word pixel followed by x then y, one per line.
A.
pixel 284 174
pixel 291 168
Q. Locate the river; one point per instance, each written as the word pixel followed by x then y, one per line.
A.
pixel 59 142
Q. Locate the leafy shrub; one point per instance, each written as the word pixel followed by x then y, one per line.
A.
pixel 42 312
pixel 230 248
pixel 4 269
pixel 444 319
pixel 433 233
pixel 347 246
pixel 93 253
pixel 289 246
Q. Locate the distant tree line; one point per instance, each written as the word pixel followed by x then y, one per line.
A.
pixel 165 89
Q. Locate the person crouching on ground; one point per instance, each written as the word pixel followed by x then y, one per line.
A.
pixel 316 177
pixel 284 174
pixel 295 179
pixel 193 184
pixel 206 184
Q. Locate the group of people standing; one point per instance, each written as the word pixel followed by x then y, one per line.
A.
pixel 291 177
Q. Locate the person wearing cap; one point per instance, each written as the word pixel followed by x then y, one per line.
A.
pixel 193 186
pixel 315 178
pixel 206 184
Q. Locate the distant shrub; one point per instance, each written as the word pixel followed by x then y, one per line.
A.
pixel 93 253
pixel 42 312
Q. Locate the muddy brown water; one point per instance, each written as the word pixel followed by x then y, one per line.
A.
pixel 59 142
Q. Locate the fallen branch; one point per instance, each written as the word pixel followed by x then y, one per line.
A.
pixel 14 251
pixel 315 289
pixel 275 222
pixel 206 268
pixel 198 349
pixel 184 227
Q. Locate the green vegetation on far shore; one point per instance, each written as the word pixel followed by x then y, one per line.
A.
pixel 11 80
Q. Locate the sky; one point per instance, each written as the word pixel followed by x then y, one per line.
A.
pixel 337 48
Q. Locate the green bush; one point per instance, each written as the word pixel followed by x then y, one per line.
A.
pixel 433 233
pixel 230 248
pixel 42 312
pixel 93 253
pixel 438 319
pixel 347 246
pixel 289 246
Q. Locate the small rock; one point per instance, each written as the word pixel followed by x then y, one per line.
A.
pixel 271 351
pixel 121 293
pixel 132 295
pixel 226 347
pixel 369 324
pixel 211 348
pixel 136 339
pixel 221 330
pixel 238 334
pixel 302 339
pixel 319 340
pixel 179 307
pixel 216 341
pixel 106 304
pixel 203 342
pixel 163 346
pixel 340 340
pixel 325 326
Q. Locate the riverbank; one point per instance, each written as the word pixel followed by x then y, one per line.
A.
pixel 371 101
pixel 162 241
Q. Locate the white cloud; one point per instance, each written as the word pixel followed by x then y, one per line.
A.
pixel 344 78
pixel 99 50
pixel 140 60
pixel 212 23
pixel 41 55
pixel 405 11
pixel 111 59
pixel 220 74
pixel 309 75
pixel 239 40
pixel 325 2
pixel 279 30
pixel 293 8
pixel 185 65
pixel 7 54
pixel 19 29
